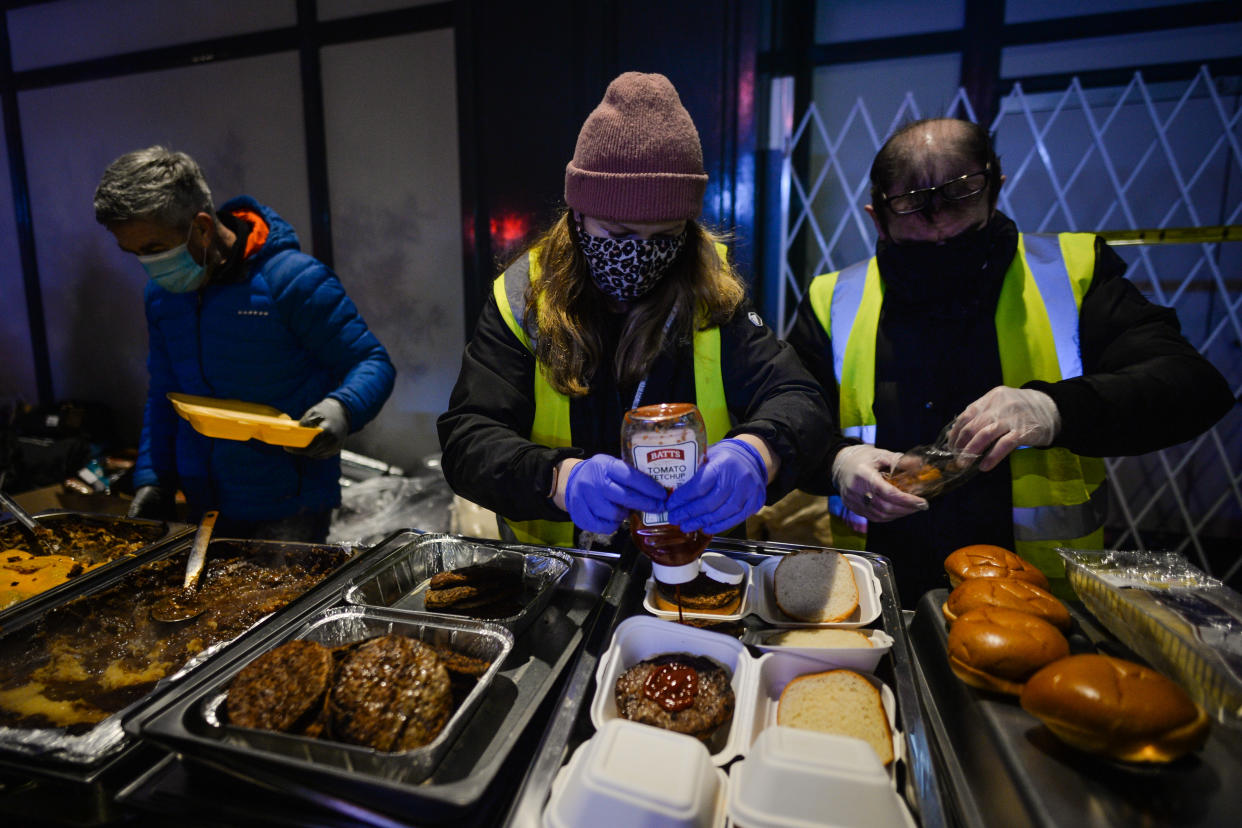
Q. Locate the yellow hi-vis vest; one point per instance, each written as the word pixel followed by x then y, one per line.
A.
pixel 1058 496
pixel 551 424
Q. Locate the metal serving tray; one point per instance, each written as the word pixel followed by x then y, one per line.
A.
pixel 163 535
pixel 348 625
pixel 25 749
pixel 398 580
pixel 466 781
pixel 571 724
pixel 1001 766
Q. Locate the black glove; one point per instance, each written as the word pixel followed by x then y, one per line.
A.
pixel 329 415
pixel 152 502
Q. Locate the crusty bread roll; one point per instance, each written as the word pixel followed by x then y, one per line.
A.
pixel 1116 708
pixel 1009 593
pixel 841 702
pixel 998 649
pixel 983 560
pixel 815 585
pixel 819 638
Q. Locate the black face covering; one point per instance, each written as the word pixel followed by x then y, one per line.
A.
pixel 952 277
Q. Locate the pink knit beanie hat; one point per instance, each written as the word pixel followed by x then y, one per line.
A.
pixel 638 156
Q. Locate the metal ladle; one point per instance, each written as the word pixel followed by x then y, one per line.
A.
pixel 183 606
pixel 42 540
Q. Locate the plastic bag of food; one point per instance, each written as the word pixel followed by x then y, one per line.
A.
pixel 928 471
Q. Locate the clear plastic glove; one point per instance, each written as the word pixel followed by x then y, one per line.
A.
pixel 330 416
pixel 858 475
pixel 603 490
pixel 1005 419
pixel 729 487
pixel 153 503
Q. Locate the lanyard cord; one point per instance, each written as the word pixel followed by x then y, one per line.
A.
pixel 642 385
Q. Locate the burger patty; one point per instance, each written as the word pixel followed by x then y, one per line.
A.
pixel 712 705
pixel 391 693
pixel 703 593
pixel 283 689
pixel 479 590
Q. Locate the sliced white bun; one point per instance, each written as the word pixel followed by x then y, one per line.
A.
pixel 841 702
pixel 815 586
pixel 820 638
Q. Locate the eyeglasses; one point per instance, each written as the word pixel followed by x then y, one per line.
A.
pixel 955 189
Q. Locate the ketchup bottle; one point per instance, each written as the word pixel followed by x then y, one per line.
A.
pixel 668 442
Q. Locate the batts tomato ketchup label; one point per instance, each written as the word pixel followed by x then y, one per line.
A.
pixel 669 465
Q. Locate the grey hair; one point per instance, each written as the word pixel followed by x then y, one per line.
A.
pixel 153 184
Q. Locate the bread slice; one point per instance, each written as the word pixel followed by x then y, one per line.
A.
pixel 820 638
pixel 815 585
pixel 841 702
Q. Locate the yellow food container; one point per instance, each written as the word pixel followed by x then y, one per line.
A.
pixel 240 420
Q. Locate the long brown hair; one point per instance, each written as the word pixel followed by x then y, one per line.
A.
pixel 567 311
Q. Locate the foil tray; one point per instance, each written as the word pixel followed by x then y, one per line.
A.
pixel 399 580
pixel 1001 765
pixel 53 751
pixel 163 534
pixel 467 780
pixel 348 625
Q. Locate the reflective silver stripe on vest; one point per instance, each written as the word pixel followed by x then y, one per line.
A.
pixel 865 433
pixel 1043 257
pixel 517 280
pixel 846 298
pixel 1037 523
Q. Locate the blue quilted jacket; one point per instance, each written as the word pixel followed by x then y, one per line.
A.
pixel 285 335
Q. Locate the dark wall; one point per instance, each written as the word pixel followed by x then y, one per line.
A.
pixel 531 74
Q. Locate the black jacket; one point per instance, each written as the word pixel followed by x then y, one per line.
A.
pixel 488 456
pixel 1144 387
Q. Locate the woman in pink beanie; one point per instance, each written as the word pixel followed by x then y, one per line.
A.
pixel 625 301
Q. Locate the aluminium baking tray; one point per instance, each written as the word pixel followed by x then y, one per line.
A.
pixel 571 724
pixel 305 756
pixel 53 749
pixel 1000 765
pixel 468 781
pixel 163 535
pixel 399 579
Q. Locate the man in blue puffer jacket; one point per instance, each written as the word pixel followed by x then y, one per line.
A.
pixel 235 310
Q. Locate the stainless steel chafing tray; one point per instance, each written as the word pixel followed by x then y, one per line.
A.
pixel 570 725
pixel 1000 764
pixel 477 770
pixel 399 580
pixel 160 536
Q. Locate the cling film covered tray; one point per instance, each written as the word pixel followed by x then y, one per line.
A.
pixel 481 760
pixel 70 674
pixel 1184 623
pixel 88 547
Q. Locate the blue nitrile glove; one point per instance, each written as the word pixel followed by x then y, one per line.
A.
pixel 330 415
pixel 601 491
pixel 730 487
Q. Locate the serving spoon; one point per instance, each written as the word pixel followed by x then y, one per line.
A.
pixel 42 540
pixel 183 606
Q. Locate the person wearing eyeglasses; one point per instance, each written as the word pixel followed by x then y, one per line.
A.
pixel 1035 348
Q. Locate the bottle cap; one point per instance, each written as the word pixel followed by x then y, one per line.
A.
pixel 724 570
pixel 676 574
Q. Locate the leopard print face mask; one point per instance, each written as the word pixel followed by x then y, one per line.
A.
pixel 627 269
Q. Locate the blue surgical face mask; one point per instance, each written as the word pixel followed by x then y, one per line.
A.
pixel 175 270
